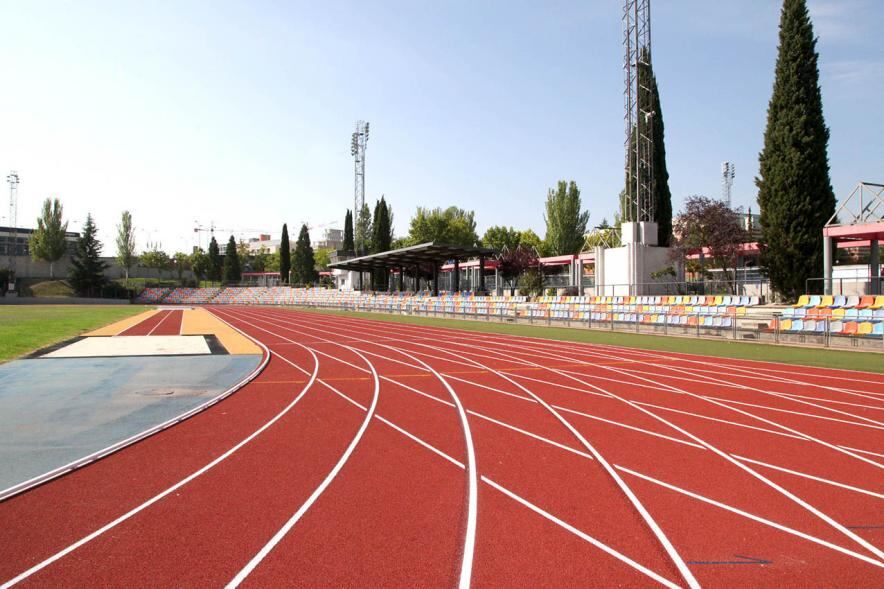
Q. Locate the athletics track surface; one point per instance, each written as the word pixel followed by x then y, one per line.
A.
pixel 377 454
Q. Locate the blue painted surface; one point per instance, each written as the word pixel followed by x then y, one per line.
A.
pixel 54 411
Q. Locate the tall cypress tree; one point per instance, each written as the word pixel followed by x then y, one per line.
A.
pixel 214 261
pixel 662 194
pixel 381 238
pixel 232 271
pixel 348 232
pixel 794 190
pixel 285 255
pixel 304 264
pixel 87 271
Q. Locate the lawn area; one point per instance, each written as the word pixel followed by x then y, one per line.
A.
pixel 824 358
pixel 25 328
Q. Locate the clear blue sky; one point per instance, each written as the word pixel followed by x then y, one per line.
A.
pixel 241 112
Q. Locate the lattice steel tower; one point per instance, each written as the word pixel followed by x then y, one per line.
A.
pixel 639 117
pixel 728 171
pixel 358 144
pixel 13 180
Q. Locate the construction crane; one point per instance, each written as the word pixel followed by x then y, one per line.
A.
pixel 211 229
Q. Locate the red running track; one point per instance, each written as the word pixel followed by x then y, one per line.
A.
pixel 376 454
pixel 166 322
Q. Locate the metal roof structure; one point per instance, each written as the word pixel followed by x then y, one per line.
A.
pixel 430 253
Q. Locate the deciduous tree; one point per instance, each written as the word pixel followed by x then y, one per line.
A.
pixel 565 220
pixel 126 257
pixel 47 242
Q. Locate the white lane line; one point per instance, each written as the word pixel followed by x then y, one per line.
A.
pixel 859 540
pixel 788 494
pixel 798 413
pixel 638 429
pixel 767 522
pixel 85 540
pixel 468 553
pixel 716 419
pixel 753 517
pixel 810 476
pixel 280 534
pixel 637 504
pixel 163 320
pixel 662 580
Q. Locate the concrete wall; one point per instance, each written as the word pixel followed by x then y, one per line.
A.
pixel 26 267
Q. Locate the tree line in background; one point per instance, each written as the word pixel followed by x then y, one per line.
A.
pixel 794 193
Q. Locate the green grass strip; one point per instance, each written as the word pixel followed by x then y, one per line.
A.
pixel 741 350
pixel 25 328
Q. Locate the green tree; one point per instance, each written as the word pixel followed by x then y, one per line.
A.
pixel 529 239
pixel 381 238
pixel 662 196
pixel 126 257
pixel 565 220
pixel 285 255
pixel 158 260
pixel 794 189
pixel 322 256
pixel 232 269
pixel 363 231
pixel 181 262
pixel 200 264
pixel 87 271
pixel 303 262
pixel 47 242
pixel 214 261
pixel 348 232
pixel 261 260
pixel 451 226
pixel 499 237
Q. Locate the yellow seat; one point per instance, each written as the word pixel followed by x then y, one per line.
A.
pixel 828 301
pixel 803 301
pixel 786 325
pixel 837 313
pixel 865 328
pixel 718 301
pixel 879 302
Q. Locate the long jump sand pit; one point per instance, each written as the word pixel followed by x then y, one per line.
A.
pixel 133 345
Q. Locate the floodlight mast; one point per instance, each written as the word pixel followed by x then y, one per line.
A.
pixel 358 143
pixel 13 179
pixel 639 112
pixel 728 171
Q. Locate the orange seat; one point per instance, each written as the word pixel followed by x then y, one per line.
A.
pixel 865 302
pixel 850 327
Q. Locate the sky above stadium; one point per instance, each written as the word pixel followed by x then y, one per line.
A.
pixel 241 112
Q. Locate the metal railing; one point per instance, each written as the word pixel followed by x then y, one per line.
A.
pixel 846 286
pixel 749 327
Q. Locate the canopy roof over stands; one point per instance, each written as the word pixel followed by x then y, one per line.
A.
pixel 430 253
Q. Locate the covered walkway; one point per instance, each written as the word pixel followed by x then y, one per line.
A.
pixel 426 259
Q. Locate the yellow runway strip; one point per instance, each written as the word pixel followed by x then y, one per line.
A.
pixel 122 325
pixel 201 322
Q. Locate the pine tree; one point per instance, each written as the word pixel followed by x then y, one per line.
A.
pixel 348 232
pixel 232 270
pixel 87 271
pixel 285 255
pixel 303 262
pixel 214 261
pixel 794 190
